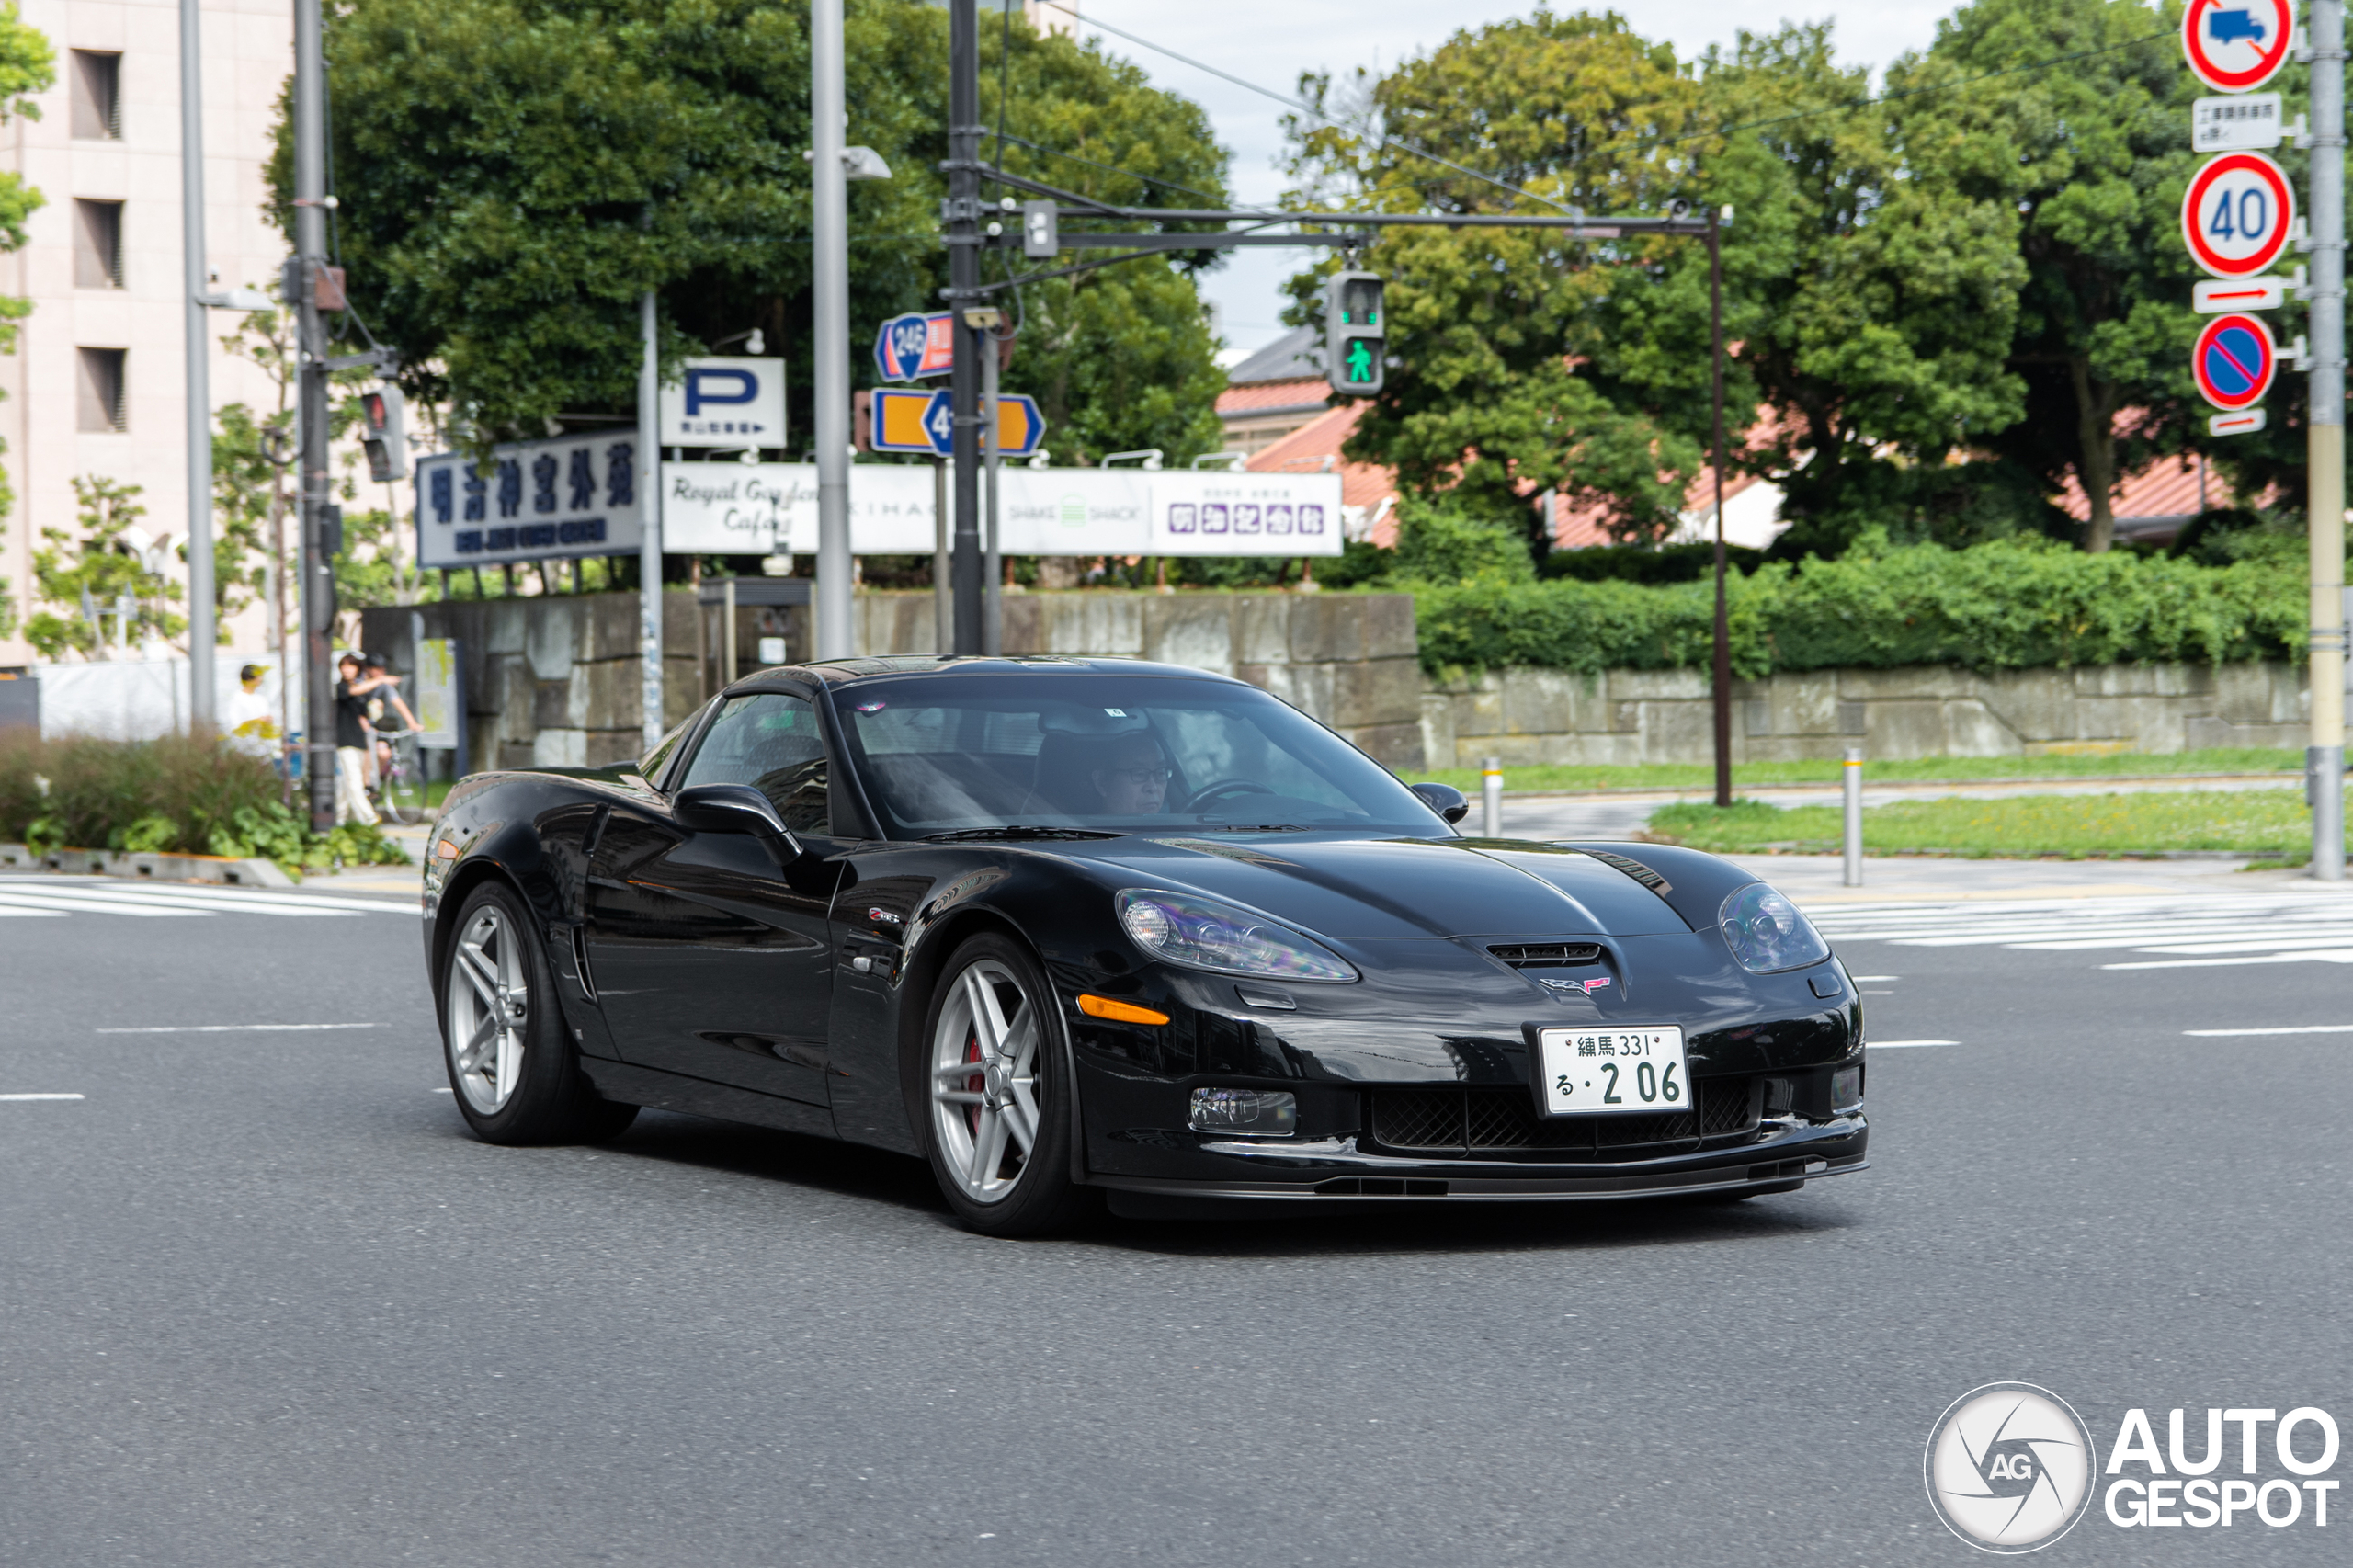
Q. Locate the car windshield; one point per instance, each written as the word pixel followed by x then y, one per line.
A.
pixel 1084 750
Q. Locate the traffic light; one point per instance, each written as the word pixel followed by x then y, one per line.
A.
pixel 381 433
pixel 1355 333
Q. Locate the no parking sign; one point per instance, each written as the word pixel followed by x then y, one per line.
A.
pixel 2236 214
pixel 2233 362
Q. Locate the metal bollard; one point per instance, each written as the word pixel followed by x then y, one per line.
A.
pixel 1490 797
pixel 1852 774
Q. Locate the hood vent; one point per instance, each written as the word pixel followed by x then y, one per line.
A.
pixel 1635 870
pixel 1546 955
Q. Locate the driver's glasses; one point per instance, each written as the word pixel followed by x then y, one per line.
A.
pixel 1140 776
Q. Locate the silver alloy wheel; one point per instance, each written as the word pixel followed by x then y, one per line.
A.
pixel 984 1080
pixel 489 1010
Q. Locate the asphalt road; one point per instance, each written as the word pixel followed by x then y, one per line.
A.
pixel 262 1302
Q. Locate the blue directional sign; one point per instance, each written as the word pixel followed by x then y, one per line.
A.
pixel 914 346
pixel 913 421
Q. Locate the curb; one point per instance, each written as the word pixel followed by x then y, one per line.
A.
pixel 250 873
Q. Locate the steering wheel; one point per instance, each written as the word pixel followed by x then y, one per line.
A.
pixel 1209 793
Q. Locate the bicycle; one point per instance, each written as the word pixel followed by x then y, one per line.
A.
pixel 400 789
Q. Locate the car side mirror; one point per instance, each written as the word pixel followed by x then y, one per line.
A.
pixel 1444 798
pixel 736 807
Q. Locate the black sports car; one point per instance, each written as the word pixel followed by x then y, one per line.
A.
pixel 1058 924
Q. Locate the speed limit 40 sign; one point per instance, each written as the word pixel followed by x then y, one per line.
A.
pixel 2236 214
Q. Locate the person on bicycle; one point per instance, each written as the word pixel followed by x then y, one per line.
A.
pixel 382 686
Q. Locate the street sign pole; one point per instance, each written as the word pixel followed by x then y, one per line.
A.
pixel 2325 440
pixel 202 635
pixel 992 423
pixel 964 290
pixel 315 481
pixel 836 636
pixel 1723 681
pixel 649 512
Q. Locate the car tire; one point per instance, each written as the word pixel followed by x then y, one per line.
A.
pixel 509 1056
pixel 998 1137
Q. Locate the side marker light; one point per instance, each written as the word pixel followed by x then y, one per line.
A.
pixel 1119 1012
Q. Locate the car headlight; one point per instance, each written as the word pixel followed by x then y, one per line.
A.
pixel 1767 934
pixel 1206 934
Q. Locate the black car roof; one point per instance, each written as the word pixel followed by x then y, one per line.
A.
pixel 843 672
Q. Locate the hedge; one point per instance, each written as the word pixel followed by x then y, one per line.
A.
pixel 193 795
pixel 2013 604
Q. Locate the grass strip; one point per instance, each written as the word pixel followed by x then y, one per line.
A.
pixel 2250 822
pixel 1569 779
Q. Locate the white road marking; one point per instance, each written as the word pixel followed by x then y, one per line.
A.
pixel 445 1089
pixel 1903 1044
pixel 2299 1028
pixel 2178 933
pixel 2329 955
pixel 46 896
pixel 41 1096
pixel 233 1028
pixel 1874 979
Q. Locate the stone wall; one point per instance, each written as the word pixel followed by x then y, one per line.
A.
pixel 1347 659
pixel 554 680
pixel 1636 716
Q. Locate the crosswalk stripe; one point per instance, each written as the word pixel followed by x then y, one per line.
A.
pixel 2174 932
pixel 28 897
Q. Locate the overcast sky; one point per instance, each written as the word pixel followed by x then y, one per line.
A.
pixel 1270 44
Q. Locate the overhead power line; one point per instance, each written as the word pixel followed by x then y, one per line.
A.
pixel 1305 108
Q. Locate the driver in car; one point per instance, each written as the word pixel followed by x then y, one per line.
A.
pixel 1133 779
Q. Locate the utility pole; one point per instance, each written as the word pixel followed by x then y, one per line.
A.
pixel 992 563
pixel 1723 681
pixel 829 191
pixel 649 517
pixel 2325 441
pixel 963 214
pixel 317 552
pixel 202 632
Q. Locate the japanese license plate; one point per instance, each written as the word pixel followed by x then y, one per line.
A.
pixel 1604 1072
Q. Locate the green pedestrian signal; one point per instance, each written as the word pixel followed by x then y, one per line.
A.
pixel 1356 347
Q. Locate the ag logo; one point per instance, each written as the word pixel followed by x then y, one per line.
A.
pixel 2010 1467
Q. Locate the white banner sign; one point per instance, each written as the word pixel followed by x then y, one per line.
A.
pixel 1208 513
pixel 539 501
pixel 756 509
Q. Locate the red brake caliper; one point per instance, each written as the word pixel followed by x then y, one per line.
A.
pixel 975 1084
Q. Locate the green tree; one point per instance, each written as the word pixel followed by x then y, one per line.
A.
pixel 2093 156
pixel 26 68
pixel 1502 384
pixel 99 574
pixel 514 172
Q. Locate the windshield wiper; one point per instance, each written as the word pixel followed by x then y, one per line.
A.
pixel 1018 831
pixel 1249 827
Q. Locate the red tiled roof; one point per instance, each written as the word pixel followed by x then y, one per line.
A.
pixel 1361 485
pixel 1270 394
pixel 2167 488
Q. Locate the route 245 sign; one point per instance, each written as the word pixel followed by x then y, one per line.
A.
pixel 2236 214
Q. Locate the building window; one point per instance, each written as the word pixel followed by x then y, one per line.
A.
pixel 97 245
pixel 97 96
pixel 102 390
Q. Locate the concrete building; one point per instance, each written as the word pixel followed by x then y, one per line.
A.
pixel 96 383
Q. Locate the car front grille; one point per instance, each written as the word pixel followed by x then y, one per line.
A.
pixel 1483 1123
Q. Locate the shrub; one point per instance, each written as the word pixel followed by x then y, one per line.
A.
pixel 2012 603
pixel 194 796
